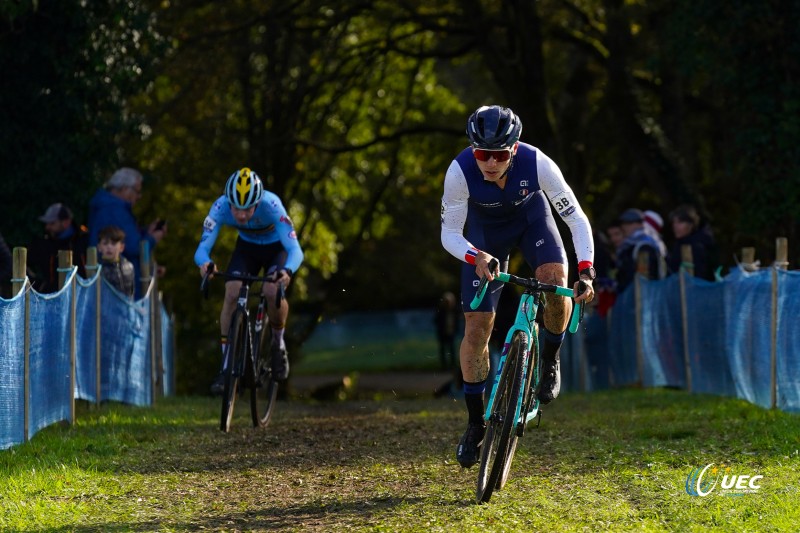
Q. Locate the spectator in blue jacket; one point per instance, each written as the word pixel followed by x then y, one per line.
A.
pixel 113 206
pixel 636 241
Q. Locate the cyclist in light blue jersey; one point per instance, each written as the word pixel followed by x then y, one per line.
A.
pixel 267 240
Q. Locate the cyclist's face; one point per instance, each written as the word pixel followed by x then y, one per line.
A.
pixel 492 169
pixel 243 216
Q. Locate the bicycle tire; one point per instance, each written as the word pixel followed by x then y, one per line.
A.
pixel 237 351
pixel 531 385
pixel 263 389
pixel 501 423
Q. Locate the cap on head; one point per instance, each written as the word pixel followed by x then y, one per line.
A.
pixel 55 213
pixel 493 128
pixel 631 216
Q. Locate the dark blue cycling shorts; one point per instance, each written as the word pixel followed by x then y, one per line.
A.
pixel 249 258
pixel 532 230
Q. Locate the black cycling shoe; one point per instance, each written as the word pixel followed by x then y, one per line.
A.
pixel 218 385
pixel 280 363
pixel 551 381
pixel 470 444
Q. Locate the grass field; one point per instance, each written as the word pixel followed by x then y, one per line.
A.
pixel 378 356
pixel 610 461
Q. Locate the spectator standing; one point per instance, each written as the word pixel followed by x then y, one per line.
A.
pixel 447 321
pixel 6 267
pixel 654 226
pixel 636 241
pixel 686 229
pixel 61 233
pixel 615 237
pixel 113 206
pixel 117 270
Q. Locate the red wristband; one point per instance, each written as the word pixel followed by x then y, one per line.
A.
pixel 471 255
pixel 584 265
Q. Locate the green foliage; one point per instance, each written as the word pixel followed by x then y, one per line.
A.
pixel 352 111
pixel 345 131
pixel 70 68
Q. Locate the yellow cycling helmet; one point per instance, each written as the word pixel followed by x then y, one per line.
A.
pixel 244 189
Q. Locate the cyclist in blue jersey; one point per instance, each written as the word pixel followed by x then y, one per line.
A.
pixel 267 240
pixel 497 196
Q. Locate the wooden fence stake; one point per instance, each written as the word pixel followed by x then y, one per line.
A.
pixel 781 263
pixel 749 259
pixel 19 284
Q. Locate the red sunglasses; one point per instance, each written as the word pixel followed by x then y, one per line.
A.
pixel 484 155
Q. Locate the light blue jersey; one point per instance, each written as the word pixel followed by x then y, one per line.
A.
pixel 270 224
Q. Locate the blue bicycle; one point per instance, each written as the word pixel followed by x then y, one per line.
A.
pixel 514 401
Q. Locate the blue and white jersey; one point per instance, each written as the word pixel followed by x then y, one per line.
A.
pixel 531 173
pixel 269 224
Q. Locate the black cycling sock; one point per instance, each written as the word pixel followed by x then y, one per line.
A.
pixel 552 344
pixel 473 396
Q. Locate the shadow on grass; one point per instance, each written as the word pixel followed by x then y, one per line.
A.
pixel 316 514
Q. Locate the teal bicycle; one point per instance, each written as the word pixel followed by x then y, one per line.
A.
pixel 513 401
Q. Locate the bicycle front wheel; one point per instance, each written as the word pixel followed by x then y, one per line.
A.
pixel 531 385
pixel 500 436
pixel 263 389
pixel 235 359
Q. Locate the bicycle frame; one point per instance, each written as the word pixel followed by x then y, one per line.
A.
pixel 515 384
pixel 524 321
pixel 249 365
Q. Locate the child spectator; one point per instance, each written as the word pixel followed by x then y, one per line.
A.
pixel 116 269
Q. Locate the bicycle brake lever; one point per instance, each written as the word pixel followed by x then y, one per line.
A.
pixel 206 278
pixel 476 301
pixel 577 313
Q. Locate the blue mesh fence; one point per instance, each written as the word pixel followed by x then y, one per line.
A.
pixel 125 359
pixel 167 344
pixel 706 326
pixel 49 397
pixel 86 333
pixel 748 301
pixel 125 348
pixel 662 333
pixel 729 332
pixel 788 342
pixel 12 371
pixel 622 359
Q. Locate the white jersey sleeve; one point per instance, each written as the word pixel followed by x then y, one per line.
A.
pixel 566 205
pixel 454 214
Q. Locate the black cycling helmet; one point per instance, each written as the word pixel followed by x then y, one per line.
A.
pixel 493 128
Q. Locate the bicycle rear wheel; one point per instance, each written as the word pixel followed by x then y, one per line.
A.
pixel 263 389
pixel 500 427
pixel 237 351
